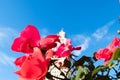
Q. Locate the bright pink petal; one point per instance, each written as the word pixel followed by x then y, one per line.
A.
pixel 28 39
pixel 31 32
pixel 38 54
pixel 49 41
pixel 22 44
pixel 60 50
pixel 114 43
pixel 34 67
pixel 55 37
pixel 105 54
pixel 49 54
pixel 44 42
pixel 63 51
pixel 19 61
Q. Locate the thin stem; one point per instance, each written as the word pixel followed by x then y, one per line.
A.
pixel 71 66
pixel 113 78
pixel 108 72
pixel 115 70
pixel 69 69
pixel 57 77
pixel 60 71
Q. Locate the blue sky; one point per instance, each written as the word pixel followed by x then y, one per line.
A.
pixel 89 23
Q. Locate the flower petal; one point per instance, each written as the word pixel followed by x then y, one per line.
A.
pixel 22 44
pixel 49 41
pixel 34 67
pixel 31 32
pixel 114 43
pixel 28 39
pixel 49 54
pixel 19 61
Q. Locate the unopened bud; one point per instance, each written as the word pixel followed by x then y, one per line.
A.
pixel 118 31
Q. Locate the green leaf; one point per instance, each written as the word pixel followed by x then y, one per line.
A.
pixel 116 54
pixel 99 68
pixel 79 73
pixel 48 76
pixel 112 63
pixel 82 60
pixel 67 63
pixel 90 66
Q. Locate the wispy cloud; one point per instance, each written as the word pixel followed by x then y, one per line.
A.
pixel 7 34
pixel 43 32
pixel 92 40
pixel 102 31
pixel 82 41
pixel 6 60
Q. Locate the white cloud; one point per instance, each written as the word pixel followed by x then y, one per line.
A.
pixel 43 32
pixel 102 31
pixel 7 30
pixel 82 41
pixel 6 60
pixel 7 35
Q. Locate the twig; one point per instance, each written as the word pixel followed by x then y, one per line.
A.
pixel 60 71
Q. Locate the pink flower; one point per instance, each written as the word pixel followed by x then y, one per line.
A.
pixel 30 38
pixel 107 53
pixel 34 66
pixel 49 41
pixel 65 49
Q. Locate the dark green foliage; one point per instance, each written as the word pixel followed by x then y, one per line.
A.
pixel 84 68
pixel 67 63
pixel 48 75
pixel 116 54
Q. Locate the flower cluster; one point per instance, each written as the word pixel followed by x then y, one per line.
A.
pixel 42 54
pixel 108 52
pixel 51 58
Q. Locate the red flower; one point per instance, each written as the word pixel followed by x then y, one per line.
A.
pixel 64 50
pixel 49 41
pixel 107 53
pixel 114 44
pixel 30 38
pixel 34 66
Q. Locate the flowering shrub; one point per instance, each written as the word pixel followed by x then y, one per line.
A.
pixel 51 58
